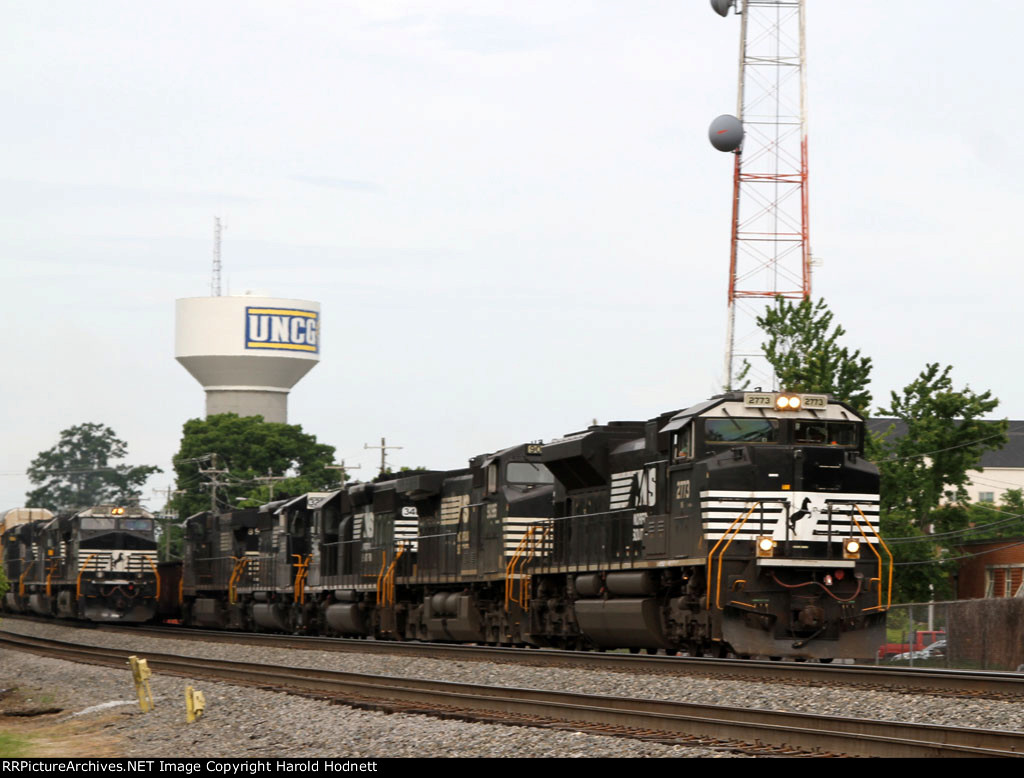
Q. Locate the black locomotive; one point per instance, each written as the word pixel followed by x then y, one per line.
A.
pixel 97 564
pixel 745 524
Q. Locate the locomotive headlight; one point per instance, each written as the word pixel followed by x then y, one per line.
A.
pixel 788 402
pixel 765 547
pixel 851 549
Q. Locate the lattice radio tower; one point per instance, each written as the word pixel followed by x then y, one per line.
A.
pixel 770 254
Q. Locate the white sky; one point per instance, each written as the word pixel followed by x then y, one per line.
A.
pixel 509 211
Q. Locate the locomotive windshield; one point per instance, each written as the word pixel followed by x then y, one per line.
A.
pixel 137 525
pixel 99 523
pixel 528 473
pixel 733 430
pixel 826 433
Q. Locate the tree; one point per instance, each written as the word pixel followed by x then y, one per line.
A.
pixel 79 472
pixel 945 438
pixel 803 350
pixel 247 449
pixel 3 582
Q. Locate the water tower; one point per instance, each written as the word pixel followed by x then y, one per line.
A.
pixel 247 351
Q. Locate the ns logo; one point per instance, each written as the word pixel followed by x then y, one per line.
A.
pixel 281 328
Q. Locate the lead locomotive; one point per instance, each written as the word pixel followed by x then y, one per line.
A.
pixel 745 524
pixel 97 564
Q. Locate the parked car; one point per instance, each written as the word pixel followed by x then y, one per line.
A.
pixel 931 651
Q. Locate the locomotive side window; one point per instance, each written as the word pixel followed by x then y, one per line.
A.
pixel 682 443
pixel 528 473
pixel 492 478
pixel 741 430
pixel 826 433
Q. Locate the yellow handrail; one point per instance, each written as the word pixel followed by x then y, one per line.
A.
pixel 388 591
pixel 302 570
pixel 734 530
pixel 157 574
pixel 526 543
pixel 236 573
pixel 81 570
pixel 21 580
pixel 860 529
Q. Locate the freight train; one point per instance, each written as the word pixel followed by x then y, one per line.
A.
pixel 746 524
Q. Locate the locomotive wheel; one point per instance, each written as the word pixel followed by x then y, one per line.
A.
pixel 826 660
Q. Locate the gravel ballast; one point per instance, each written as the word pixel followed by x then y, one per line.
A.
pixel 385 735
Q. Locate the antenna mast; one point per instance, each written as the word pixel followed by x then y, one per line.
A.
pixel 770 254
pixel 215 281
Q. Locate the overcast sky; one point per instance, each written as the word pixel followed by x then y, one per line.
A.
pixel 509 211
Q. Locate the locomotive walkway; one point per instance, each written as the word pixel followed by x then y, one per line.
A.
pixel 674 722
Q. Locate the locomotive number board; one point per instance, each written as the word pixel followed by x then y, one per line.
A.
pixel 815 402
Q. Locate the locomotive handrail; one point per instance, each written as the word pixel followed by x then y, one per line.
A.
pixel 388 591
pixel 81 571
pixel 21 580
pixel 527 541
pixel 301 571
pixel 718 587
pixel 870 545
pixel 156 573
pixel 236 573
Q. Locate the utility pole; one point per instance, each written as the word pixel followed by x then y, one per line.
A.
pixel 213 483
pixel 383 453
pixel 269 479
pixel 343 468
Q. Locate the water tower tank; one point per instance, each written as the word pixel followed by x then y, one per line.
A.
pixel 247 351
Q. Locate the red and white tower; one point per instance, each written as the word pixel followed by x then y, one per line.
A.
pixel 770 254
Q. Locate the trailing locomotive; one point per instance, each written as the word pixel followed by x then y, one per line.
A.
pixel 745 524
pixel 97 564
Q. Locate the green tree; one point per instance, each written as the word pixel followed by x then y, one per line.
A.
pixel 79 472
pixel 3 582
pixel 945 437
pixel 803 350
pixel 248 449
pixel 924 507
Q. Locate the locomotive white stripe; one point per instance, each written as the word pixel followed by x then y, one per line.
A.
pixel 515 528
pixel 116 561
pixel 407 532
pixel 808 514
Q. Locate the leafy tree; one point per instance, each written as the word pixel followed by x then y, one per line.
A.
pixel 78 471
pixel 248 448
pixel 945 438
pixel 3 582
pixel 803 350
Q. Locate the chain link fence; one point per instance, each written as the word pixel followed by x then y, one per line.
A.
pixel 984 634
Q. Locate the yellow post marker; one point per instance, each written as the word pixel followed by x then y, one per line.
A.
pixel 141 674
pixel 195 704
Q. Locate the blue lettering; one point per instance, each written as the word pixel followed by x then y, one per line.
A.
pixel 297 326
pixel 311 332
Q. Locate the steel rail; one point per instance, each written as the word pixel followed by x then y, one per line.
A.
pixel 934 680
pixel 801 730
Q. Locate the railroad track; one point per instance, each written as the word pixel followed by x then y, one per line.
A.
pixel 760 731
pixel 976 684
